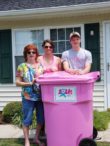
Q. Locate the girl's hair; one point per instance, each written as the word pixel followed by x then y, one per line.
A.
pixel 28 48
pixel 48 41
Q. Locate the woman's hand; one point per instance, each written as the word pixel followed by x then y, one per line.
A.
pixel 34 81
pixel 54 69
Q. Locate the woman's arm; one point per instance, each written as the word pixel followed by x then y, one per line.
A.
pixel 20 83
pixel 59 64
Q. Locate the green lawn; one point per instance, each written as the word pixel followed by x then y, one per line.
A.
pixel 19 142
pixel 103 144
pixel 13 142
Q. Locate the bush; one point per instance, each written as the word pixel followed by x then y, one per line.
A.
pixel 12 113
pixel 17 119
pixel 101 120
pixel 34 123
pixel 11 110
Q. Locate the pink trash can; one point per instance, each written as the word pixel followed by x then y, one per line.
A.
pixel 68 107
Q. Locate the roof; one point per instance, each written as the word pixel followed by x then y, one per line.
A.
pixel 6 5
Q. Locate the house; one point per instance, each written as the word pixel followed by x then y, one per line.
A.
pixel 32 21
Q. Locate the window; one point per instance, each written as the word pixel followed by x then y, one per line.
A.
pixel 25 37
pixel 60 37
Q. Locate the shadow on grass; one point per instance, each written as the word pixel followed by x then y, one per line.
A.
pixel 13 142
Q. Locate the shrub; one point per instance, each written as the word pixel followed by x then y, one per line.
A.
pixel 11 110
pixel 34 123
pixel 101 120
pixel 12 113
pixel 17 119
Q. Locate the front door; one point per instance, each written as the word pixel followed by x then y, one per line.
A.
pixel 107 59
pixel 6 75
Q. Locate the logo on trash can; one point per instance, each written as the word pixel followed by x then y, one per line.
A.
pixel 65 93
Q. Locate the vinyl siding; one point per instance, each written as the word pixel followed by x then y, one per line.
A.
pixel 99 86
pixel 9 93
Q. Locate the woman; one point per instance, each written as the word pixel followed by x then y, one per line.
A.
pixel 25 77
pixel 50 63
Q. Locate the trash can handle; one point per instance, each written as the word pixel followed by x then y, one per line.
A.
pixel 98 75
pixel 95 74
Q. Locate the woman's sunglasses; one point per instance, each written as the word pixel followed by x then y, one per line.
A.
pixel 48 47
pixel 31 52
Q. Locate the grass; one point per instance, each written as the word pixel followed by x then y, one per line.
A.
pixel 101 120
pixel 103 144
pixel 20 142
pixel 13 142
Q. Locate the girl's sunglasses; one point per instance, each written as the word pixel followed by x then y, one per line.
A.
pixel 48 47
pixel 31 52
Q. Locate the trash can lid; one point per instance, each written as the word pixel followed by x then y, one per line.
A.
pixel 64 77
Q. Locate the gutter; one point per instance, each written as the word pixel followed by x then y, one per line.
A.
pixel 100 6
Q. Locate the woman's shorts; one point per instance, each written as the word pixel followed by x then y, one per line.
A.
pixel 28 107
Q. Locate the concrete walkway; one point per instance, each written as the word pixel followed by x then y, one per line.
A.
pixel 11 131
pixel 105 135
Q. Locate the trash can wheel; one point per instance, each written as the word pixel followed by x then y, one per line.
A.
pixel 87 142
pixel 95 133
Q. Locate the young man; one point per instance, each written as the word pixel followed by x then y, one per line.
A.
pixel 76 60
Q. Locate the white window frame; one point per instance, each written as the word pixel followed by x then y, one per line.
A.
pixel 46 36
pixel 23 29
pixel 14 45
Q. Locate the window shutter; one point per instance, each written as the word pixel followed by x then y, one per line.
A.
pixel 92 43
pixel 6 75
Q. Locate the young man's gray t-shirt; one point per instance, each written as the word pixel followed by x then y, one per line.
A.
pixel 77 59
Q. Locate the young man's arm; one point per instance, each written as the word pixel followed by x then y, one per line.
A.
pixel 88 63
pixel 85 70
pixel 67 68
pixel 66 65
